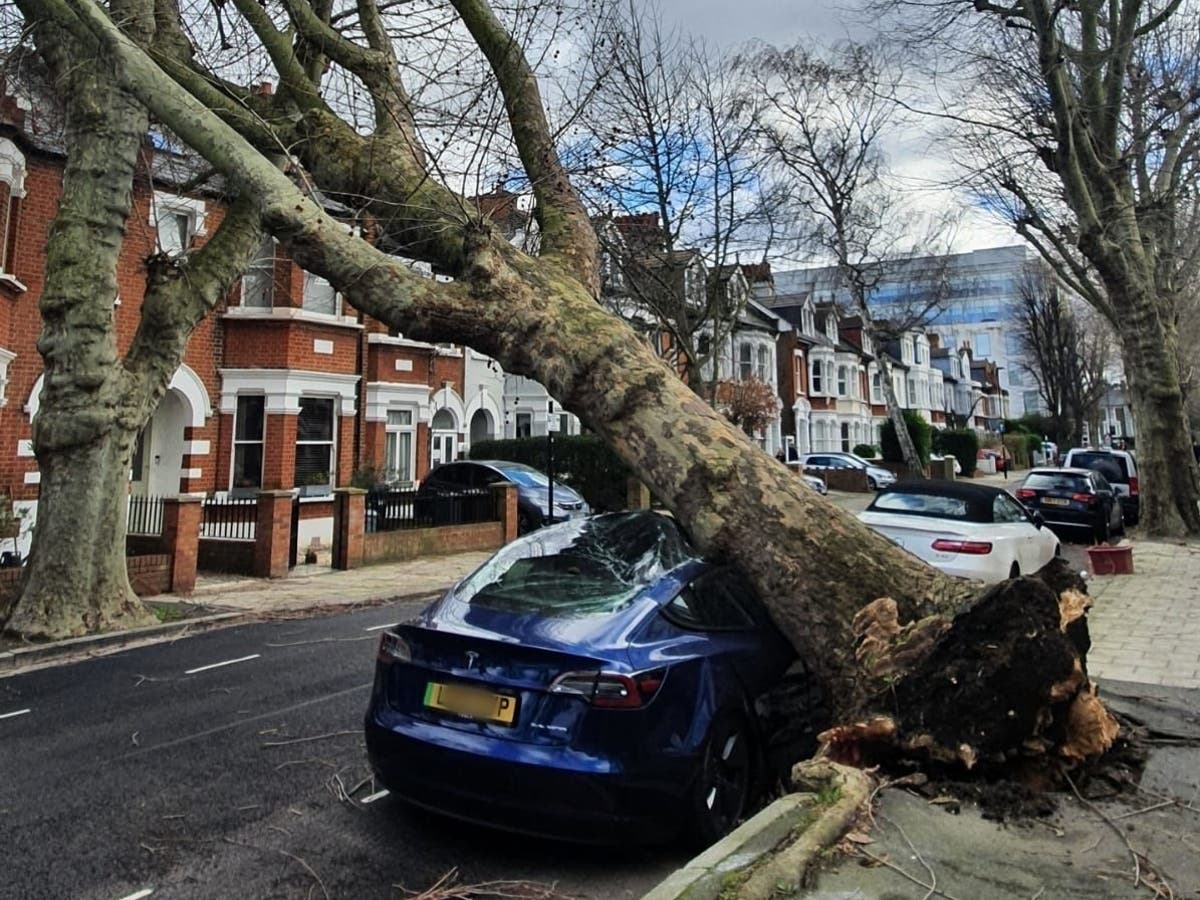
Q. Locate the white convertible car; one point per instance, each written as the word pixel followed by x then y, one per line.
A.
pixel 969 530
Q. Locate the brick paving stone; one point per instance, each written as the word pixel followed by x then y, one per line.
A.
pixel 1145 627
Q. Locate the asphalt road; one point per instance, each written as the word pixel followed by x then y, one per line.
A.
pixel 149 771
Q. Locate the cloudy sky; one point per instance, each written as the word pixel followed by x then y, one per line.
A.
pixel 727 23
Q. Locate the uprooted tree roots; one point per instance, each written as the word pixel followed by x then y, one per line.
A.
pixel 1003 683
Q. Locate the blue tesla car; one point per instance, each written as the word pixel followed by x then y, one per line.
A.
pixel 593 681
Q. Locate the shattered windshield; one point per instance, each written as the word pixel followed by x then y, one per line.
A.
pixel 583 567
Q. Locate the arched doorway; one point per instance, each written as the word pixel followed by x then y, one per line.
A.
pixel 443 440
pixel 158 455
pixel 482 428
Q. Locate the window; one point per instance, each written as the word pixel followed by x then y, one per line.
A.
pixel 704 344
pixel 258 284
pixel 912 393
pixel 876 388
pixel 1012 343
pixel 983 345
pixel 712 602
pixel 314 441
pixel 248 433
pixel 760 370
pixel 1033 401
pixel 843 386
pixel 1015 378
pixel 12 189
pixel 818 379
pixel 1006 509
pixel 845 437
pixel 176 221
pixel 798 372
pixel 524 424
pixel 319 295
pixel 398 445
pixel 806 319
pixel 745 362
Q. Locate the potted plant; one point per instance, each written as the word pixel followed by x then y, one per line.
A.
pixel 315 485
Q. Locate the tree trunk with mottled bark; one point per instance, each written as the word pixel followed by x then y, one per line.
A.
pixel 94 403
pixel 815 565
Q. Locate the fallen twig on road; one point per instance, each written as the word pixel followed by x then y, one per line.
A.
pixel 448 887
pixel 315 737
pixel 1153 881
pixel 307 868
pixel 931 889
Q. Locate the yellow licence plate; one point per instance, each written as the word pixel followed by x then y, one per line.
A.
pixel 1055 501
pixel 469 701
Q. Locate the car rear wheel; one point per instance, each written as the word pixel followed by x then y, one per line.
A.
pixel 871 483
pixel 1103 530
pixel 525 523
pixel 723 788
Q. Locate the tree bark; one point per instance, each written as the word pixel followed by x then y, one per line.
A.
pixel 814 565
pixel 912 460
pixel 93 403
pixel 77 579
pixel 1167 470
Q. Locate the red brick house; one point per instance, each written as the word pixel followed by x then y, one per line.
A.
pixel 282 386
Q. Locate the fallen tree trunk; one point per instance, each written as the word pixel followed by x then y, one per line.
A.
pixel 814 564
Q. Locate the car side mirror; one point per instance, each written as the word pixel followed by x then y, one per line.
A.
pixel 1038 520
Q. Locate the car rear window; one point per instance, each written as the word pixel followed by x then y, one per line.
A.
pixel 1109 465
pixel 583 567
pixel 1045 481
pixel 926 504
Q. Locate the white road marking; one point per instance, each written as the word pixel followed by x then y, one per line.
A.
pixel 228 662
pixel 19 712
pixel 144 892
pixel 378 795
pixel 379 627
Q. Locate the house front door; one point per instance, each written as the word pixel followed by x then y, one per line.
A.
pixel 444 447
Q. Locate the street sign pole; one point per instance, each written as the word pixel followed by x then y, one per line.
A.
pixel 550 423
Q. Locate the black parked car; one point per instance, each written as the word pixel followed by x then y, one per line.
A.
pixel 1074 498
pixel 533 490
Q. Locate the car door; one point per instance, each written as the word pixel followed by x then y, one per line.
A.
pixel 1014 527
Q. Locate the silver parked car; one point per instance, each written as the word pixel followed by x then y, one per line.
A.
pixel 877 477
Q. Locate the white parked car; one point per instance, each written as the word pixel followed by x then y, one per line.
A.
pixel 816 484
pixel 968 530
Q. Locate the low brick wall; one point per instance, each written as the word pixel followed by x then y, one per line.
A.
pixel 10 589
pixel 410 543
pixel 149 574
pixel 232 557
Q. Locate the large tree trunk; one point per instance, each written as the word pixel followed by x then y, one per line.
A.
pixel 93 403
pixel 815 565
pixel 77 580
pixel 908 450
pixel 1168 483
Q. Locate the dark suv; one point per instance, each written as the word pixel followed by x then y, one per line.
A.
pixel 1119 468
pixel 533 489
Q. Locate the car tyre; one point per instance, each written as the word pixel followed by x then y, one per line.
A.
pixel 525 523
pixel 723 789
pixel 871 483
pixel 1103 531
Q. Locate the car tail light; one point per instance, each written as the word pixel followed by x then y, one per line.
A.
pixel 1089 499
pixel 611 690
pixel 978 548
pixel 393 648
pixel 1026 494
pixel 1133 486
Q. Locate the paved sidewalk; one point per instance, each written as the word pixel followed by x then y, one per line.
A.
pixel 312 586
pixel 1145 627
